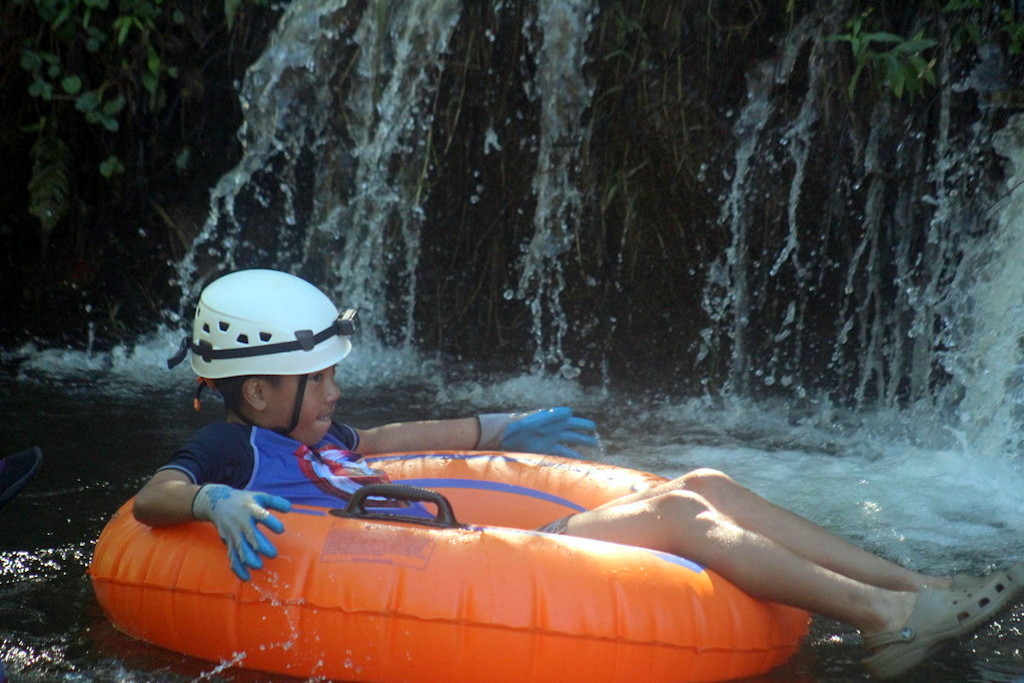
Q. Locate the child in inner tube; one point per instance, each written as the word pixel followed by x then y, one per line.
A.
pixel 269 342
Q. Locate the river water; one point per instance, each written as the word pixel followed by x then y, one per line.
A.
pixel 891 482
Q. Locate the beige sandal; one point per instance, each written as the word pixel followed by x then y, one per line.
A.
pixel 940 615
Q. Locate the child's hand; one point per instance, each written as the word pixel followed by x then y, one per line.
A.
pixel 549 431
pixel 235 513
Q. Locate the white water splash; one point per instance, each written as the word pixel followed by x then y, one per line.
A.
pixel 332 185
pixel 389 118
pixel 564 95
pixel 990 360
pixel 286 110
pixel 729 294
pixel 920 307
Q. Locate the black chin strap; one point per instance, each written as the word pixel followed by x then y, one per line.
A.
pixel 300 392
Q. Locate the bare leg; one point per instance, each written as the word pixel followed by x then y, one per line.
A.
pixel 749 511
pixel 747 545
pixel 683 523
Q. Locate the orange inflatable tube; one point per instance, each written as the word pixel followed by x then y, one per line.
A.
pixel 482 598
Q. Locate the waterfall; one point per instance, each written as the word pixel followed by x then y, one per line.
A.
pixel 864 265
pixel 337 121
pixel 989 357
pixel 389 116
pixel 285 113
pixel 337 136
pixel 561 88
pixel 863 258
pixel 733 290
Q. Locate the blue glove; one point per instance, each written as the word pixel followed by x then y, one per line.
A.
pixel 549 431
pixel 235 513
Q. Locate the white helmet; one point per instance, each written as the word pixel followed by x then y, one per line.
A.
pixel 265 322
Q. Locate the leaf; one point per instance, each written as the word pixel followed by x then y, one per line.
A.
pixel 853 80
pixel 111 165
pixel 63 16
pixel 923 69
pixel 897 81
pixel 122 25
pixel 230 9
pixel 149 82
pixel 41 89
pixel 881 37
pixel 30 61
pixel 50 185
pixel 72 84
pixel 114 106
pixel 153 61
pixel 915 46
pixel 87 101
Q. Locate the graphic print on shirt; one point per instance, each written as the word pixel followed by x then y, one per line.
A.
pixel 339 472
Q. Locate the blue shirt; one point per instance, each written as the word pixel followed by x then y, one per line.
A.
pixel 256 459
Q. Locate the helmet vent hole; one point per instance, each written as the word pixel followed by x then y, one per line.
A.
pixel 206 328
pixel 265 336
pixel 224 326
pixel 242 339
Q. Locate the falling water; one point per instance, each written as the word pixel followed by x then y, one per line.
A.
pixel 989 359
pixel 284 107
pixel 892 282
pixel 851 271
pixel 337 134
pixel 734 289
pixel 564 95
pixel 342 178
pixel 389 117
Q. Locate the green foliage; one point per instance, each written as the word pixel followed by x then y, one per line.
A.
pixel 102 62
pixel 965 28
pixel 111 166
pixel 1014 31
pixel 61 69
pixel 969 20
pixel 85 61
pixel 901 64
pixel 50 187
pixel 898 63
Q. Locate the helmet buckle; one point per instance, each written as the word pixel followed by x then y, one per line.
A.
pixel 306 339
pixel 204 349
pixel 347 322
